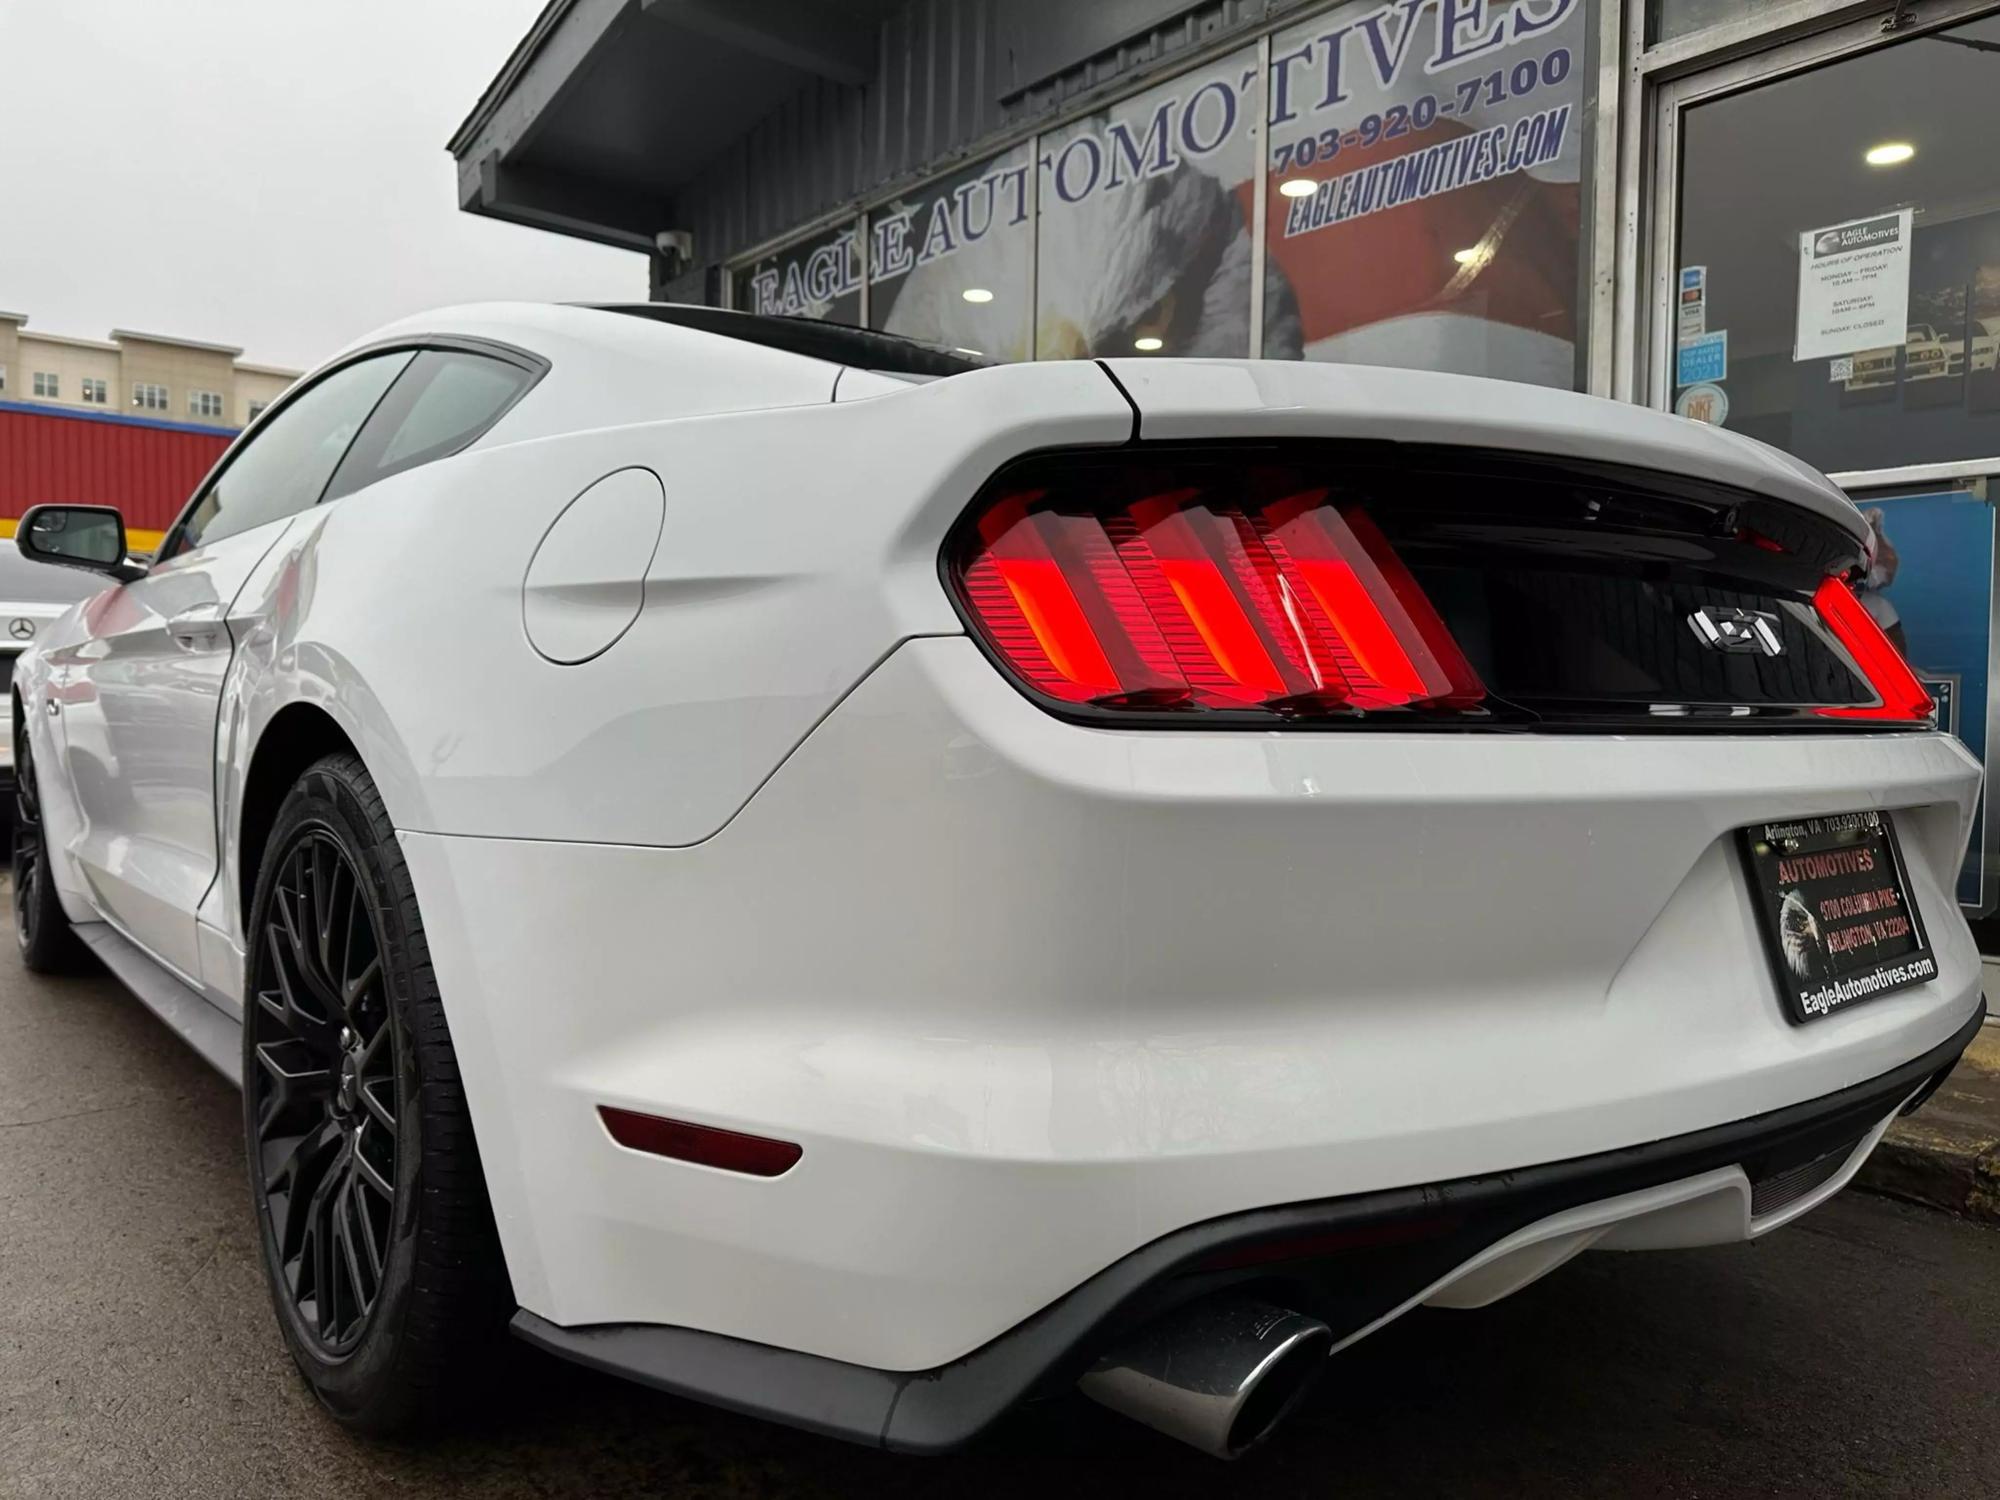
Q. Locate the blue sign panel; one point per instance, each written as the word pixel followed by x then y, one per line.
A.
pixel 1932 590
pixel 1705 358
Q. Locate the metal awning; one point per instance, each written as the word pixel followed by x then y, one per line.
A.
pixel 608 106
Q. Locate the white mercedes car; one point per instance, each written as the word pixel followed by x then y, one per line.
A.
pixel 865 888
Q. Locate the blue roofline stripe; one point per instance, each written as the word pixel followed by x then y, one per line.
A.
pixel 36 408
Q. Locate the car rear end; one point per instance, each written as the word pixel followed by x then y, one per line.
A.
pixel 1341 840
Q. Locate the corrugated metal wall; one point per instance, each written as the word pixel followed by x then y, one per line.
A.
pixel 147 472
pixel 936 99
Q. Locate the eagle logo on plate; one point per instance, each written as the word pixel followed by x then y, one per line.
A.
pixel 21 628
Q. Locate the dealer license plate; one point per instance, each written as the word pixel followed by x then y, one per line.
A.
pixel 1834 902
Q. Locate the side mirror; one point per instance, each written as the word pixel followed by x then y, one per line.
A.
pixel 77 536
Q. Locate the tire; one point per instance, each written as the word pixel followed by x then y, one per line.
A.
pixel 388 1284
pixel 48 944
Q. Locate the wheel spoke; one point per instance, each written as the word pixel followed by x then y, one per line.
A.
pixel 377 1110
pixel 365 1222
pixel 294 1076
pixel 357 987
pixel 319 1214
pixel 315 1031
pixel 304 964
pixel 369 1174
pixel 303 1166
pixel 350 1257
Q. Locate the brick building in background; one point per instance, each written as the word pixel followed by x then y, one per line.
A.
pixel 133 421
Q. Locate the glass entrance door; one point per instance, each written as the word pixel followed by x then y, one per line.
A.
pixel 1827 272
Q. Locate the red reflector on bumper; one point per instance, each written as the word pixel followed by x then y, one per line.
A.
pixel 731 1151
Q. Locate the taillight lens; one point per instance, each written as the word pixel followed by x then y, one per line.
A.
pixel 1903 698
pixel 1183 601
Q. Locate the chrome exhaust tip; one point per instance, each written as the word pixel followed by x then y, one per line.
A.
pixel 1220 1374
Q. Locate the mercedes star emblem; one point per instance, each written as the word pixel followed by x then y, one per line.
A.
pixel 21 628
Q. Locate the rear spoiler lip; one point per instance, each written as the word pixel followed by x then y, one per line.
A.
pixel 1223 399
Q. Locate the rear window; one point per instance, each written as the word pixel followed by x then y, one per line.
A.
pixel 441 403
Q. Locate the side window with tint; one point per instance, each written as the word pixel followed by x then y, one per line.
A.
pixel 447 398
pixel 285 467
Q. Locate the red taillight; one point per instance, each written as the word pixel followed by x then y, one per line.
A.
pixel 732 1151
pixel 1182 600
pixel 1903 698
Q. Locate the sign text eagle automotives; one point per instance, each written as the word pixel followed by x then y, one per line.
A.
pixel 1453 125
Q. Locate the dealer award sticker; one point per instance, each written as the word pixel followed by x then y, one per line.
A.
pixel 1703 403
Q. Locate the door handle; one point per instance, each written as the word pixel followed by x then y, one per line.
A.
pixel 198 628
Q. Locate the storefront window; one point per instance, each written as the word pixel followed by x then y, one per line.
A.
pixel 816 278
pixel 1839 257
pixel 1425 188
pixel 950 262
pixel 1146 207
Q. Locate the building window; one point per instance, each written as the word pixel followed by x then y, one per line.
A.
pixel 1429 218
pixel 820 278
pixel 47 386
pixel 1145 244
pixel 96 392
pixel 257 409
pixel 3 380
pixel 205 403
pixel 149 397
pixel 1852 319
pixel 950 262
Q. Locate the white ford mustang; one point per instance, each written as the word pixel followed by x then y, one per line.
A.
pixel 864 888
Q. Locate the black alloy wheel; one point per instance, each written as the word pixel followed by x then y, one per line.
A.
pixel 47 943
pixel 378 1242
pixel 326 1090
pixel 28 866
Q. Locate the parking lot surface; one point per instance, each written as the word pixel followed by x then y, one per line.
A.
pixel 1856 1353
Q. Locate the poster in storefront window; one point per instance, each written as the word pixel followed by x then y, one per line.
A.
pixel 816 278
pixel 950 262
pixel 1854 285
pixel 1146 208
pixel 1425 162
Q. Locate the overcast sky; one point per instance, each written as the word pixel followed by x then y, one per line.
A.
pixel 268 173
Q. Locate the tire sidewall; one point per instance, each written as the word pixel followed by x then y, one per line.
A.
pixel 325 800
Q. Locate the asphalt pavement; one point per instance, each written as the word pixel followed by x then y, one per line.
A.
pixel 1855 1353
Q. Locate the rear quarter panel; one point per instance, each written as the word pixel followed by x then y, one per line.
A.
pixel 799 546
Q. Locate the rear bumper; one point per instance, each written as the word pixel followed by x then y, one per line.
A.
pixel 1032 996
pixel 1356 1262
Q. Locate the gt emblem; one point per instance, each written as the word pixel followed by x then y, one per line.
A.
pixel 21 628
pixel 1749 632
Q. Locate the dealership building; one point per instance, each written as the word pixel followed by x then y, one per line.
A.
pixel 1780 217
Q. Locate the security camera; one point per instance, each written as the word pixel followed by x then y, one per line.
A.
pixel 675 242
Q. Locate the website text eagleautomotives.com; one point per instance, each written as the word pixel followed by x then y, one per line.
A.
pixel 1830 996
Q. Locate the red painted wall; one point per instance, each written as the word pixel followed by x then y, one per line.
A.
pixel 146 470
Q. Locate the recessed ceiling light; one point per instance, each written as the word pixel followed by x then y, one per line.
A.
pixel 1466 257
pixel 1298 187
pixel 976 294
pixel 1148 344
pixel 1889 153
